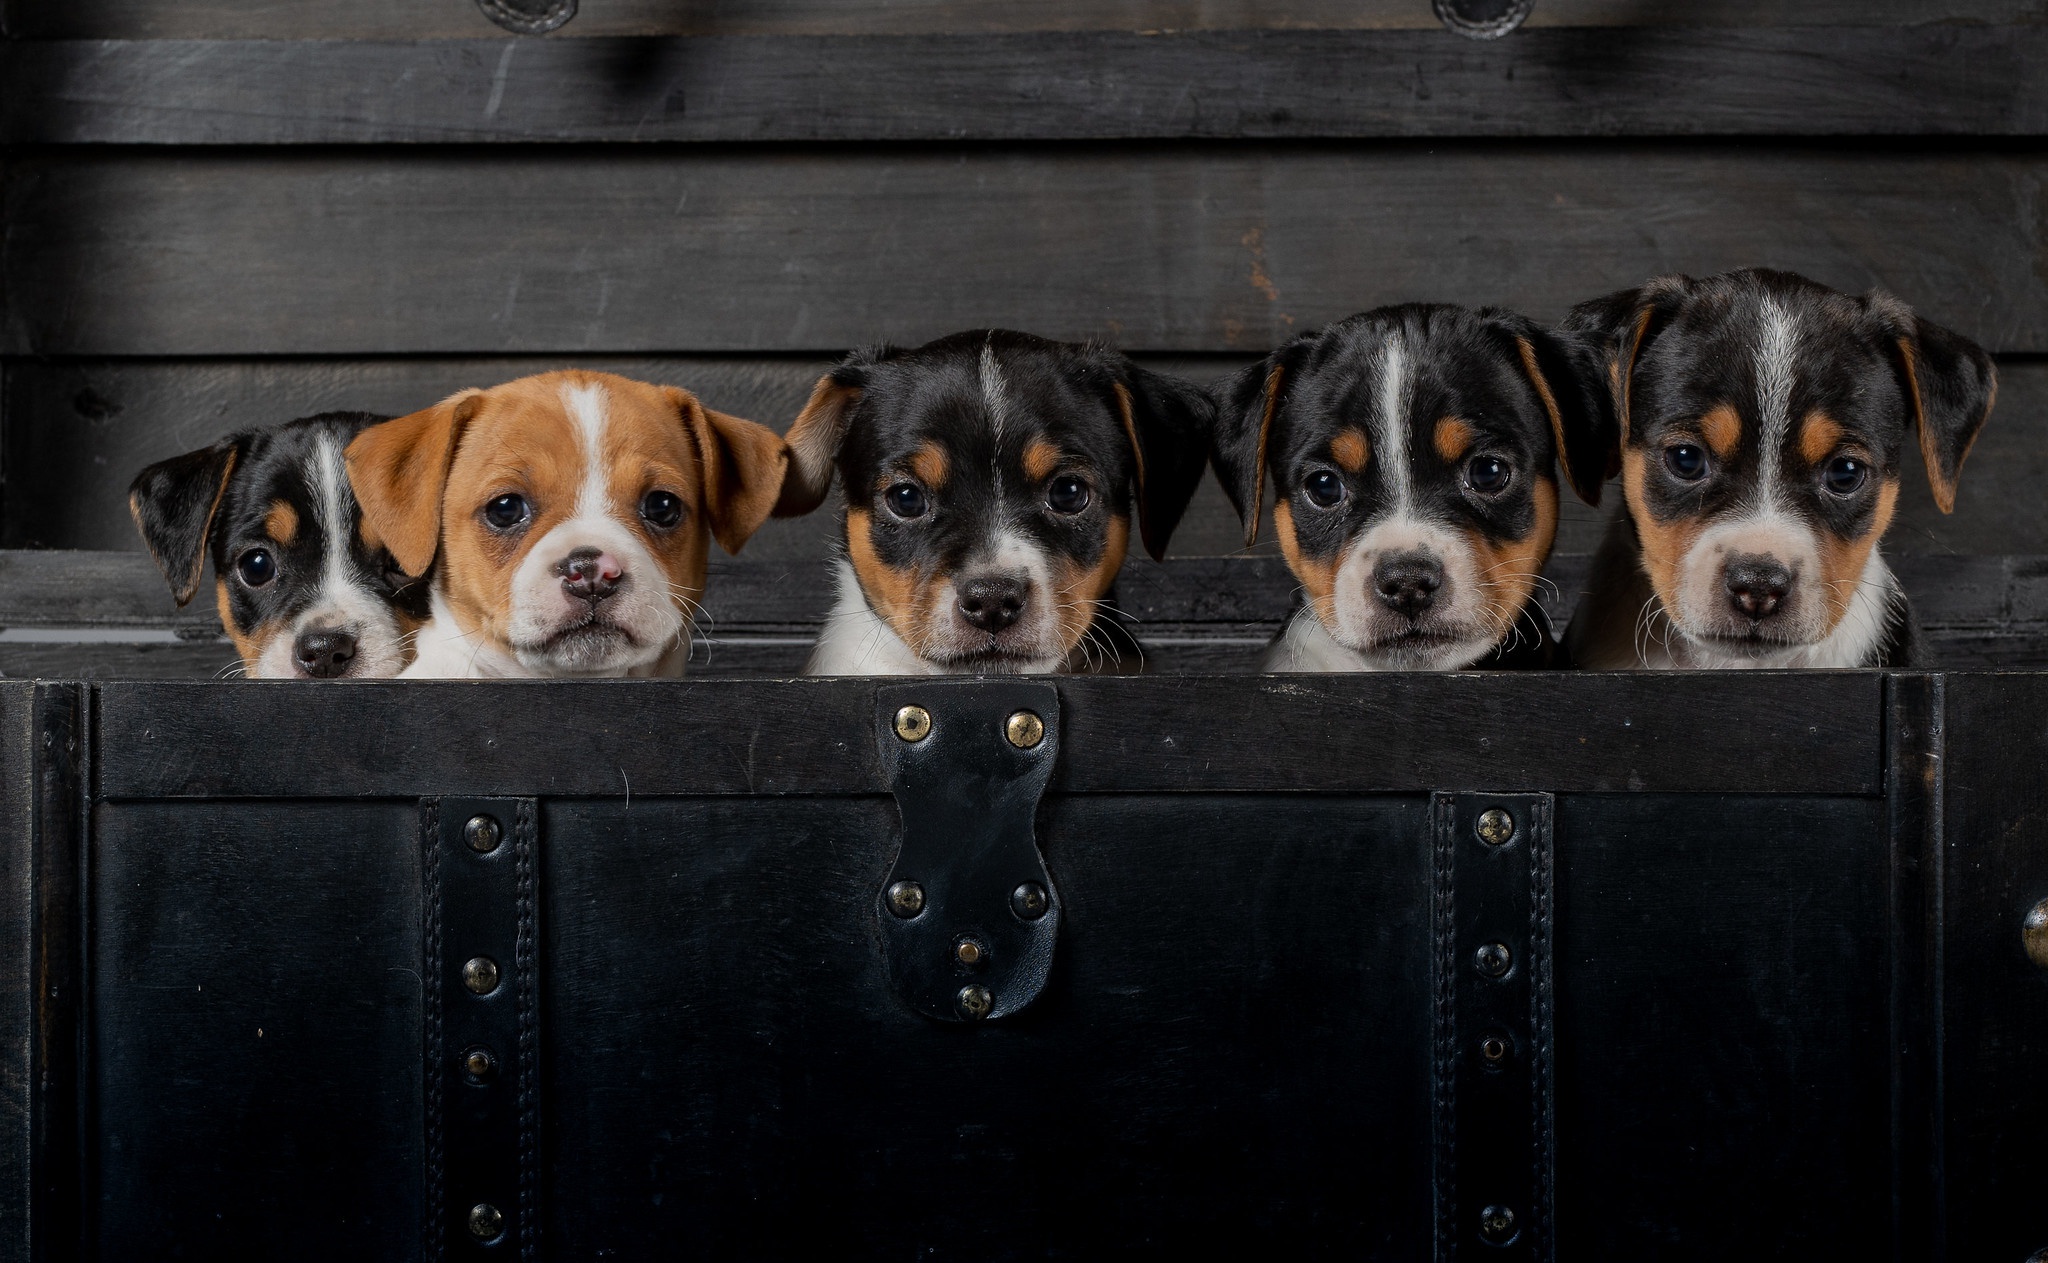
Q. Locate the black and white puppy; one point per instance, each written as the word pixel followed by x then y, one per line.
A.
pixel 301 593
pixel 1411 450
pixel 1759 422
pixel 990 479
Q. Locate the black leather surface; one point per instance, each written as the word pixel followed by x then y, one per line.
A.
pixel 969 803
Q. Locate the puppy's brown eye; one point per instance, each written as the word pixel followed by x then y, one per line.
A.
pixel 662 509
pixel 507 512
pixel 1323 489
pixel 256 567
pixel 906 500
pixel 1844 474
pixel 1067 495
pixel 1686 462
pixel 1488 475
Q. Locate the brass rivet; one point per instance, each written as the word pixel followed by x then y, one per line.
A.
pixel 486 1222
pixel 906 898
pixel 479 1065
pixel 1495 826
pixel 1029 901
pixel 969 952
pixel 1493 1048
pixel 482 834
pixel 2034 932
pixel 1024 730
pixel 480 975
pixel 1497 1225
pixel 975 1002
pixel 913 723
pixel 1493 959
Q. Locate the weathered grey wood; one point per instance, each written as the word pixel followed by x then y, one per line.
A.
pixel 85 427
pixel 1161 249
pixel 1602 81
pixel 453 19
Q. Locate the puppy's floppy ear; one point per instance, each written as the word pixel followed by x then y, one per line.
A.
pixel 744 467
pixel 399 470
pixel 1950 384
pixel 1615 329
pixel 1167 423
pixel 815 436
pixel 1568 375
pixel 1246 403
pixel 173 503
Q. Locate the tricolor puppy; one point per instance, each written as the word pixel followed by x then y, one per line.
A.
pixel 1411 450
pixel 300 592
pixel 1759 421
pixel 566 517
pixel 990 481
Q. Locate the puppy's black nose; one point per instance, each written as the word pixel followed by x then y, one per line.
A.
pixel 992 602
pixel 1757 585
pixel 1407 582
pixel 324 654
pixel 589 575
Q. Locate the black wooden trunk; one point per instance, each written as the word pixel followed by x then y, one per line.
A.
pixel 1768 995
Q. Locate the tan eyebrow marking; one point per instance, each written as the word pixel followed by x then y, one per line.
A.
pixel 282 522
pixel 1453 438
pixel 1040 459
pixel 1819 435
pixel 1722 429
pixel 1350 449
pixel 929 464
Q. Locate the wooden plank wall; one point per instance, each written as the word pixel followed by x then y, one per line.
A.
pixel 232 212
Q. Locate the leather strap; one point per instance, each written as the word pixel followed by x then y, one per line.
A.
pixel 481 963
pixel 1492 1073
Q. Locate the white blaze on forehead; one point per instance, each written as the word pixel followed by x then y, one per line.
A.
pixel 1390 424
pixel 327 474
pixel 995 400
pixel 588 406
pixel 1777 353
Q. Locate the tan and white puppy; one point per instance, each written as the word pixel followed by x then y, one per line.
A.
pixel 567 519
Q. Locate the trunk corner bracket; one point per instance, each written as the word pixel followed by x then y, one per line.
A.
pixel 968 912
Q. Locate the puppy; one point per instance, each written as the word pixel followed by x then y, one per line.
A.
pixel 990 480
pixel 302 594
pixel 1758 422
pixel 1411 451
pixel 566 517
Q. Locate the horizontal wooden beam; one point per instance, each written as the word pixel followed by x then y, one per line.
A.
pixel 1271 84
pixel 1158 247
pixel 455 19
pixel 1813 733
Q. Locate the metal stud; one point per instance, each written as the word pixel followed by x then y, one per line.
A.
pixel 1029 901
pixel 2034 933
pixel 974 1001
pixel 1494 1048
pixel 1493 959
pixel 478 1065
pixel 913 723
pixel 480 975
pixel 1024 730
pixel 1495 826
pixel 970 952
pixel 1497 1225
pixel 483 834
pixel 906 898
pixel 486 1222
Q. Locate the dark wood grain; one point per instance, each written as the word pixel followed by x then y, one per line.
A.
pixel 1613 81
pixel 17 966
pixel 1761 733
pixel 452 19
pixel 1228 248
